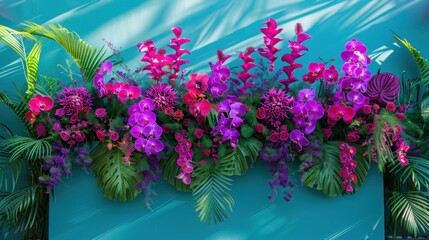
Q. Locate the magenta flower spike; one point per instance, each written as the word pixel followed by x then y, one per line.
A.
pixel 270 40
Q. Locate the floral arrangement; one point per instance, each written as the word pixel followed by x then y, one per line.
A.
pixel 130 128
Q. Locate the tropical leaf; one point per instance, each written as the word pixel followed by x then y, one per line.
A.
pixel 23 210
pixel 26 147
pixel 86 57
pixel 416 172
pixel 410 210
pixel 14 39
pixel 117 179
pixel 212 118
pixel 212 200
pixel 234 163
pixel 171 170
pixel 423 67
pixel 325 174
pixel 9 171
pixel 32 67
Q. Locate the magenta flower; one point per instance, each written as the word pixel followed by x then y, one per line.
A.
pixel 140 144
pixel 40 130
pixel 185 177
pixel 306 94
pixel 137 131
pixel 65 135
pixel 100 112
pixel 383 88
pixel 202 107
pixel 331 74
pixel 232 135
pixel 40 103
pixel 145 117
pixel 75 100
pixel 60 112
pixel 315 71
pixel 106 67
pixel 245 75
pixel 114 136
pixel 297 137
pixel 218 89
pixel 176 44
pixel 356 97
pixel 198 83
pixel 163 96
pixel 199 133
pixel 338 111
pixel 152 130
pixel 275 104
pixel 270 40
pixel 146 104
pixel 129 92
pixel 153 146
pixel 314 109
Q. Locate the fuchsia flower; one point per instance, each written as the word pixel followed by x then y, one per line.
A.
pixel 270 40
pixel 163 96
pixel 391 107
pixel 347 173
pixel 402 156
pixel 296 52
pixel 100 112
pixel 315 71
pixel 114 136
pixel 198 83
pixel 40 130
pixel 275 105
pixel 199 133
pixel 75 100
pixel 245 75
pixel 338 111
pixel 127 92
pixel 40 103
pixel 297 137
pixel 176 44
pixel 330 74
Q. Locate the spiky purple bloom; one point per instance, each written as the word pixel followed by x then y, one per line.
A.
pixel 163 96
pixel 276 104
pixel 75 100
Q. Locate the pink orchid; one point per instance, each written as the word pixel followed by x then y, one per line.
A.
pixel 198 83
pixel 40 103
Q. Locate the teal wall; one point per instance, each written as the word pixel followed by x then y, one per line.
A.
pixel 79 210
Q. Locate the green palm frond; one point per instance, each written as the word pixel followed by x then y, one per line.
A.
pixel 33 66
pixel 234 163
pixel 212 200
pixel 171 170
pixel 423 83
pixel 411 211
pixel 417 172
pixel 325 174
pixel 9 171
pixel 14 39
pixel 21 210
pixel 26 147
pixel 117 179
pixel 87 58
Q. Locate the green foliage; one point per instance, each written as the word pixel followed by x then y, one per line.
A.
pixel 212 200
pixel 422 84
pixel 116 178
pixel 384 152
pixel 25 147
pixel 22 210
pixel 417 172
pixel 171 170
pixel 325 174
pixel 87 58
pixel 33 66
pixel 234 162
pixel 247 131
pixel 212 118
pixel 410 210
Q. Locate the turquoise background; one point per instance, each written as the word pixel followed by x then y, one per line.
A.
pixel 80 211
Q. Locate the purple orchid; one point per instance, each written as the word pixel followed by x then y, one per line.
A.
pixel 146 104
pixel 152 130
pixel 297 137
